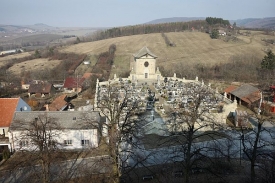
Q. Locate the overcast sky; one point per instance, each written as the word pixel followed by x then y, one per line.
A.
pixel 111 13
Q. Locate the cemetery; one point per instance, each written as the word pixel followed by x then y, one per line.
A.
pixel 160 96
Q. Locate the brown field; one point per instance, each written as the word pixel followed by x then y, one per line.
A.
pixel 34 65
pixel 191 48
pixel 4 59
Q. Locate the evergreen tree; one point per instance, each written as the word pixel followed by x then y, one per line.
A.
pixel 37 54
pixel 268 62
pixel 214 34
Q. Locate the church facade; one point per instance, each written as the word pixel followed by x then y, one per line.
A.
pixel 144 67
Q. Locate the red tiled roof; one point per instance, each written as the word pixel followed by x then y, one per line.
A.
pixel 7 109
pixel 87 75
pixel 230 88
pixel 253 97
pixel 58 103
pixel 73 82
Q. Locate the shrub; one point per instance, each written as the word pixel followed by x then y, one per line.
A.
pixel 6 154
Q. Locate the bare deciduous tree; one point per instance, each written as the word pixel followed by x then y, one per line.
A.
pixel 194 130
pixel 119 109
pixel 256 144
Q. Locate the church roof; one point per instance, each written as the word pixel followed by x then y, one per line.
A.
pixel 143 52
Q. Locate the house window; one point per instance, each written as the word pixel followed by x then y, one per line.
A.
pixel 85 142
pixel 146 75
pixel 23 143
pixel 67 142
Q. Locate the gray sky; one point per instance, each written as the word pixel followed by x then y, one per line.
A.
pixel 111 13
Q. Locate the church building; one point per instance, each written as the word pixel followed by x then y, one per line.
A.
pixel 144 67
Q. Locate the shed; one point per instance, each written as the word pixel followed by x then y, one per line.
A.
pixel 246 94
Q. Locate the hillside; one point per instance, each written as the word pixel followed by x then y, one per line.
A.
pixel 31 37
pixel 266 23
pixel 192 48
pixel 260 23
pixel 193 54
pixel 41 38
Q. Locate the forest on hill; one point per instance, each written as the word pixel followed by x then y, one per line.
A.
pixel 198 25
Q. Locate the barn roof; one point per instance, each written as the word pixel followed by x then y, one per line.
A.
pixel 144 51
pixel 244 90
pixel 230 88
pixel 253 97
pixel 246 93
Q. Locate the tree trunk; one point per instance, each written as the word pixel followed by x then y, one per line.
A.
pixel 252 172
pixel 113 153
pixel 254 153
pixel 46 171
pixel 188 156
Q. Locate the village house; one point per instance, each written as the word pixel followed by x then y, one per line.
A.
pixel 77 84
pixel 72 84
pixel 41 89
pixel 73 129
pixel 222 33
pixel 7 109
pixel 25 85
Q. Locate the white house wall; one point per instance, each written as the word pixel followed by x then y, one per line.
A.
pixel 76 136
pixel 60 136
